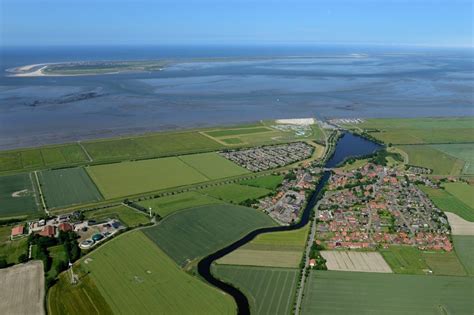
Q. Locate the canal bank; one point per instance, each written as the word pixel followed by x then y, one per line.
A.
pixel 348 146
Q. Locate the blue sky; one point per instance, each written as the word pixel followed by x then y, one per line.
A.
pixel 90 22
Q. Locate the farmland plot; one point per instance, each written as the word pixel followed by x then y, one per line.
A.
pixel 135 277
pixel 337 292
pixel 270 291
pixel 17 195
pixel 66 187
pixel 22 289
pixel 196 232
pixel 355 261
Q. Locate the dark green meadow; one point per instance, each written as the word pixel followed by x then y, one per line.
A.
pixel 68 186
pixel 197 232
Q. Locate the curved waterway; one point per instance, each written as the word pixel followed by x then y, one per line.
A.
pixel 349 145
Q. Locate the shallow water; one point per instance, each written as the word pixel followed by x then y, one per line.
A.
pixel 323 82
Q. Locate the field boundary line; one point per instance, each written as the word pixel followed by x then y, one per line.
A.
pixel 205 176
pixel 141 212
pixel 85 151
pixel 40 191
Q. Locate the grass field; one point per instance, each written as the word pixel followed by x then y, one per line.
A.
pixel 37 158
pixel 262 133
pixel 168 204
pixel 405 260
pixel 127 216
pixel 268 258
pixel 58 255
pixel 237 132
pixel 68 186
pixel 450 203
pixel 339 292
pixel 161 144
pixel 277 249
pixel 269 181
pixel 462 191
pixel 136 277
pixel 270 291
pixel 235 193
pixel 11 250
pixel 196 232
pixel 17 195
pixel 128 178
pixel 444 263
pixel 464 152
pixel 421 130
pixel 410 260
pixel 212 165
pixel 287 240
pixel 81 298
pixel 464 246
pixel 439 162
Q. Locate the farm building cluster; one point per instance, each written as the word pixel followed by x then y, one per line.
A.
pixel 378 206
pixel 286 204
pixel 90 232
pixel 268 157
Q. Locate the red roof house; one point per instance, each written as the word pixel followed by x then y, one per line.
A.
pixel 17 231
pixel 312 262
pixel 65 227
pixel 48 231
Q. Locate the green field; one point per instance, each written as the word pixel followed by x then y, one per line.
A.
pixel 81 298
pixel 58 254
pixel 445 145
pixel 161 144
pixel 168 204
pixel 439 162
pixel 277 249
pixel 287 240
pixel 17 195
pixel 196 232
pixel 269 181
pixel 405 260
pixel 129 178
pixel 411 260
pixel 464 152
pixel 336 292
pixel 450 203
pixel 264 258
pixel 130 271
pixel 67 186
pixel 127 216
pixel 37 158
pixel 237 132
pixel 11 250
pixel 444 263
pixel 135 277
pixel 261 133
pixel 269 290
pixel 212 165
pixel 235 193
pixel 464 246
pixel 420 130
pixel 462 191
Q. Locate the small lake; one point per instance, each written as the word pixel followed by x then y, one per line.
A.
pixel 349 145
